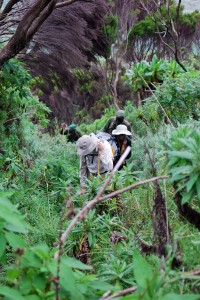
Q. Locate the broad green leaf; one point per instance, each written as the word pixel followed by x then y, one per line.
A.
pixel 25 285
pixel 2 245
pixel 67 278
pixel 198 188
pixel 74 263
pixel 181 170
pixel 4 195
pixel 31 260
pixel 191 181
pixel 12 274
pixel 101 285
pixel 182 154
pixel 14 240
pixel 173 161
pixel 15 222
pixel 90 238
pixel 172 296
pixel 21 228
pixel 32 297
pixel 186 196
pixel 68 282
pixel 41 250
pixel 176 178
pixel 4 202
pixel 142 270
pixel 11 293
pixel 39 282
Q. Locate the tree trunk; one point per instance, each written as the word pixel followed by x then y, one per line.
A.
pixel 160 225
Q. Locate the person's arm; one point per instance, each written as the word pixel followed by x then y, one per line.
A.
pixel 83 171
pixel 107 126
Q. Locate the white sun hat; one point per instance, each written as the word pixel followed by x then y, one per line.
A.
pixel 86 144
pixel 121 129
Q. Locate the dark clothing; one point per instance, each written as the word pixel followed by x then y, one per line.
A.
pixel 72 134
pixel 120 150
pixel 112 124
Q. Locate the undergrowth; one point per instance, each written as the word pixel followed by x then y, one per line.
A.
pixel 39 187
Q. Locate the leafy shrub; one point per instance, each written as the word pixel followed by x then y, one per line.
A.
pixel 183 155
pixel 11 223
pixel 144 73
pixel 180 97
pixel 17 107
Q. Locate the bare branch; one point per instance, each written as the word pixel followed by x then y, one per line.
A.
pixel 68 2
pixel 27 27
pixel 131 187
pixel 40 19
pixel 171 30
pixel 8 8
pixel 130 290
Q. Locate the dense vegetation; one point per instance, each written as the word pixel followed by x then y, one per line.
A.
pixel 39 184
pixel 135 233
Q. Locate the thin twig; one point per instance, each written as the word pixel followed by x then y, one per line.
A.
pixel 130 187
pixel 130 290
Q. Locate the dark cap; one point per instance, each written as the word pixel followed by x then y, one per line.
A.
pixel 120 114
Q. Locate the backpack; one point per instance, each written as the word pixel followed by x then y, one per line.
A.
pixel 110 139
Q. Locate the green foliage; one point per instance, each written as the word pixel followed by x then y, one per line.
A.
pixel 16 99
pixel 43 173
pixel 116 271
pixel 11 223
pixel 183 155
pixel 155 72
pixel 143 28
pixel 180 97
pixel 84 78
pixel 98 124
pixel 34 276
pixel 110 30
pixel 17 107
pixel 147 26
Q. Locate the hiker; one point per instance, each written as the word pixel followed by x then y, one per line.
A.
pixel 72 133
pixel 95 157
pixel 122 137
pixel 63 128
pixel 114 121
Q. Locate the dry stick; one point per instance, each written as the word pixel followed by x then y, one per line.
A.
pixel 130 187
pixel 82 214
pixel 130 290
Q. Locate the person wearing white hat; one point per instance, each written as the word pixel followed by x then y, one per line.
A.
pixel 96 157
pixel 122 136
